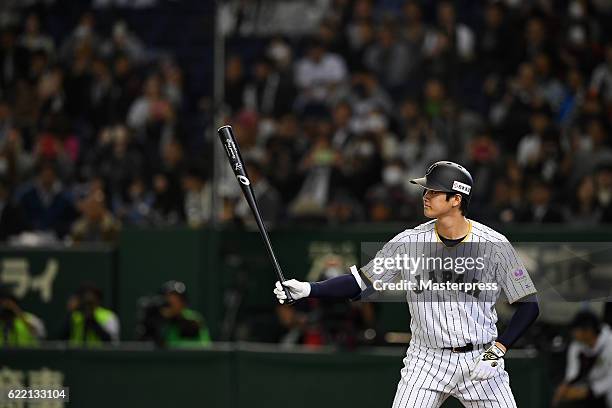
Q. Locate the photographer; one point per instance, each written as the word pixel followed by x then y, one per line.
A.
pixel 168 321
pixel 18 328
pixel 88 323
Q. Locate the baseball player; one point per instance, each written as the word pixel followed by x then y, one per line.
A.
pixel 455 349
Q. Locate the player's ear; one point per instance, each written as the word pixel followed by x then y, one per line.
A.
pixel 457 200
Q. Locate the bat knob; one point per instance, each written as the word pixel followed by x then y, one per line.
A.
pixel 289 301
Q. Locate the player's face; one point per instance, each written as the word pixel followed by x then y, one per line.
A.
pixel 435 203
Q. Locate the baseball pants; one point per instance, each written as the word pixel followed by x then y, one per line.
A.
pixel 431 375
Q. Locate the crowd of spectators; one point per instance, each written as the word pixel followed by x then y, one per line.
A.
pixel 338 122
pixel 91 134
pixel 333 124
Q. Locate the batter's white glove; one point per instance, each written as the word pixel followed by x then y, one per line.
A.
pixel 297 290
pixel 488 364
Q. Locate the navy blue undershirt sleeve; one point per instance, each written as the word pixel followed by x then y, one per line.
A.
pixel 344 286
pixel 526 313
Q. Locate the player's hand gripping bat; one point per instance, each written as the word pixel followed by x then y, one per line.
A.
pixel 226 135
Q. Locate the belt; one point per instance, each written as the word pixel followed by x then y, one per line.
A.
pixel 468 347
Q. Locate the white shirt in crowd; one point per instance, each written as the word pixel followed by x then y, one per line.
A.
pixel 600 377
pixel 316 77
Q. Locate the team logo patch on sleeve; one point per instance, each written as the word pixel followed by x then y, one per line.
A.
pixel 519 274
pixel 461 187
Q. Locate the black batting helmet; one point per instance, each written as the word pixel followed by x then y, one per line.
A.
pixel 447 177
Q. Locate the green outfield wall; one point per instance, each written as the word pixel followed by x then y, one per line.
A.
pixel 44 278
pixel 209 262
pixel 236 376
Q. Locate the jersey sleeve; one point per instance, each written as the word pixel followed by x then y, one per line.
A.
pixel 383 266
pixel 512 275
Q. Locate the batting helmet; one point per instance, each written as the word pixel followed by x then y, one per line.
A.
pixel 447 177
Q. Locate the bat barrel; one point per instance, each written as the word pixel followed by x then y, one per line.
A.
pixel 232 150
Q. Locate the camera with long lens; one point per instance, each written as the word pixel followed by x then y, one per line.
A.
pixel 87 303
pixel 149 318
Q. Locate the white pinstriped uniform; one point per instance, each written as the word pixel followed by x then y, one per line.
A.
pixel 452 319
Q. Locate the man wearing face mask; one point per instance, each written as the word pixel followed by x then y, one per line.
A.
pixel 392 174
pixel 389 200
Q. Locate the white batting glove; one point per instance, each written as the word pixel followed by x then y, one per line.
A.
pixel 488 364
pixel 297 290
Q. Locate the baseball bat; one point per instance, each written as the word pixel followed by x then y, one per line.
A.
pixel 228 140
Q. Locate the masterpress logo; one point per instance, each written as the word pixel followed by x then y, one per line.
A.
pixel 430 285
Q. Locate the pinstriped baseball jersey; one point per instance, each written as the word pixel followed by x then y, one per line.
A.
pixel 453 317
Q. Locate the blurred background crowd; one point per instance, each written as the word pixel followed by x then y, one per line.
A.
pixel 338 120
pixel 100 127
pixel 98 118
